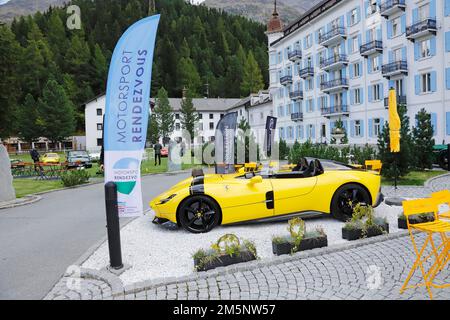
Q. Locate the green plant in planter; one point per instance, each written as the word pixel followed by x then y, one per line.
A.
pixel 227 244
pixel 363 218
pixel 74 177
pixel 296 229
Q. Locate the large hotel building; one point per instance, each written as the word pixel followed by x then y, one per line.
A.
pixel 340 58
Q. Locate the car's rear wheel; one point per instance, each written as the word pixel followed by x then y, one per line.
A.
pixel 199 214
pixel 346 198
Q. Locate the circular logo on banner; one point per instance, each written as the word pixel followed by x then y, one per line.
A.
pixel 126 172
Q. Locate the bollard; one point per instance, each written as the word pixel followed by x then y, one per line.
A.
pixel 113 226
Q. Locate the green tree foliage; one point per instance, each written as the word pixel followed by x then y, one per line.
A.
pixel 189 115
pixel 247 139
pixel 152 129
pixel 252 80
pixel 423 140
pixel 196 45
pixel 56 112
pixel 400 163
pixel 28 126
pixel 164 115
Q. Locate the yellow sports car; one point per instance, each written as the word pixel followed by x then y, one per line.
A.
pixel 202 202
pixel 51 158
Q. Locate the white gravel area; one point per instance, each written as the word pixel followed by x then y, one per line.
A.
pixel 156 251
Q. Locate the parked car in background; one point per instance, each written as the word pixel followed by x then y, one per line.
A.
pixel 440 155
pixel 78 159
pixel 51 158
pixel 95 156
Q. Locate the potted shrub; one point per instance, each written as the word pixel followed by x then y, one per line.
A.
pixel 226 251
pixel 299 239
pixel 414 219
pixel 364 224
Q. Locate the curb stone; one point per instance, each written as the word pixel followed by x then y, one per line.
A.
pixel 428 183
pixel 28 199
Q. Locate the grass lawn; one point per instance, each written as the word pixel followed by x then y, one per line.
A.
pixel 24 187
pixel 414 178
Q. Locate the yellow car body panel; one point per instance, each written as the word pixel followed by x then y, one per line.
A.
pixel 240 200
pixel 51 158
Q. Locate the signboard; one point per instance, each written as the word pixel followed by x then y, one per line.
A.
pixel 127 111
pixel 224 143
pixel 271 125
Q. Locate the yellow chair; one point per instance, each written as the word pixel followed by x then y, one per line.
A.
pixel 374 165
pixel 442 197
pixel 421 206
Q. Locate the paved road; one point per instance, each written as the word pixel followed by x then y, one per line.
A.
pixel 39 241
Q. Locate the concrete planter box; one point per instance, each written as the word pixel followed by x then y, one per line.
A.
pixel 357 233
pixel 414 219
pixel 225 260
pixel 285 247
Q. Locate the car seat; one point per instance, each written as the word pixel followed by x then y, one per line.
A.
pixel 301 166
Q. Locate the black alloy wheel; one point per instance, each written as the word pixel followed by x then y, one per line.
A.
pixel 346 198
pixel 199 214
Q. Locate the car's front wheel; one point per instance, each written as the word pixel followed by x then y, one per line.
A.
pixel 346 198
pixel 199 214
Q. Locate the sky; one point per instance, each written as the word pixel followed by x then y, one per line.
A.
pixel 3 1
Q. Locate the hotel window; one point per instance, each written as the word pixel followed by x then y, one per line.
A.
pixel 357 96
pixel 177 116
pixel 290 133
pixel 323 102
pixel 426 83
pixel 280 111
pixel 99 112
pixel 273 59
pixel 355 44
pixel 211 126
pixel 323 78
pixel 177 127
pixel 396 27
pixel 310 84
pixel 377 126
pixel 273 77
pixel 261 115
pixel 376 91
pixel 211 115
pixel 424 12
pixel 251 119
pixel 323 131
pixel 372 8
pixel 321 57
pixel 321 32
pixel 335 23
pixel 310 131
pixel 280 57
pixel 200 116
pixel 425 48
pixel 356 70
pixel 309 62
pixel 200 126
pixel 397 54
pixel 309 41
pixel 358 128
pixel 375 63
pixel 309 105
pixel 99 126
pixel 354 17
pixel 99 142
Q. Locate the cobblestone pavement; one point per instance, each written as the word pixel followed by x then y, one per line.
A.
pixel 440 183
pixel 372 271
pixel 435 184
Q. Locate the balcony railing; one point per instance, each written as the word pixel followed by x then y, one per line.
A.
pixel 296 95
pixel 393 68
pixel 334 84
pixel 335 110
pixel 400 100
pixel 333 35
pixel 295 55
pixel 371 48
pixel 306 72
pixel 389 7
pixel 286 80
pixel 297 116
pixel 334 60
pixel 421 28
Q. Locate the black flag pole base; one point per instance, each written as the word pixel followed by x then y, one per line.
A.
pixel 394 201
pixel 118 272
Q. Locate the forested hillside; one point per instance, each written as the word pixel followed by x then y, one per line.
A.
pixel 197 47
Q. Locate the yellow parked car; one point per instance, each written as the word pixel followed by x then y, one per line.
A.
pixel 312 188
pixel 51 158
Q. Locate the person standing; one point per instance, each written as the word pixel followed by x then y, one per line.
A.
pixel 157 147
pixel 35 157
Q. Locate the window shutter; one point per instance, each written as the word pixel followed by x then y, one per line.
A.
pixel 359 40
pixel 352 97
pixel 434 123
pixel 370 93
pixel 447 8
pixel 369 65
pixel 417 84
pixel 366 8
pixel 351 71
pixel 404 54
pixel 447 80
pixel 415 15
pixel 352 128
pixel 403 22
pixel 417 50
pixel 312 105
pixel 391 56
pixel 358 14
pixel 361 90
pixel 433 9
pixel 313 132
pixel 349 16
pixel 362 128
pixel 390 31
pixel 370 127
pixel 433 46
pixel 447 118
pixel 447 41
pixel 379 33
pixel 382 90
pixel 380 60
pixel 342 21
pixel 433 81
pixel 381 124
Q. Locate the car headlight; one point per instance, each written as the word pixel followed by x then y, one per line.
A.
pixel 162 201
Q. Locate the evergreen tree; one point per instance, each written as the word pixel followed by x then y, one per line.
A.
pixel 100 69
pixel 189 116
pixel 56 112
pixel 252 79
pixel 397 163
pixel 188 76
pixel 28 126
pixel 423 140
pixel 9 91
pixel 164 115
pixel 152 129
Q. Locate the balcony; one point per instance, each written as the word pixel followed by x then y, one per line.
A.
pixel 296 95
pixel 339 110
pixel 390 7
pixel 306 72
pixel 295 55
pixel 371 47
pixel 297 116
pixel 334 85
pixel 285 80
pixel 394 69
pixel 421 29
pixel 400 100
pixel 336 35
pixel 338 61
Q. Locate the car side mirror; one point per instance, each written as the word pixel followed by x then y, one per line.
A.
pixel 256 179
